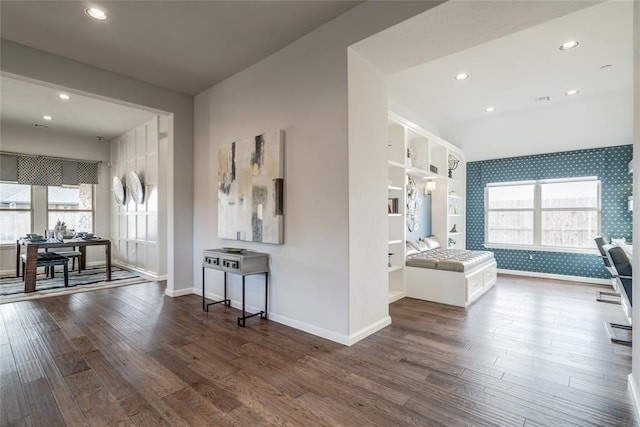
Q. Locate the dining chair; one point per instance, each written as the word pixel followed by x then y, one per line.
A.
pixel 600 242
pixel 72 254
pixel 49 260
pixel 623 274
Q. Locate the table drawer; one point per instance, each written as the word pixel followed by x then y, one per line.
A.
pixel 231 264
pixel 211 261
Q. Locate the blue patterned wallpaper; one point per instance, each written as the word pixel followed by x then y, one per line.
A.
pixel 608 164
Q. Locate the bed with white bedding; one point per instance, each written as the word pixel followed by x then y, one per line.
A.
pixel 448 276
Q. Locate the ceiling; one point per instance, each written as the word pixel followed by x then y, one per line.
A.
pixel 186 46
pixel 511 72
pixel 24 104
pixel 163 43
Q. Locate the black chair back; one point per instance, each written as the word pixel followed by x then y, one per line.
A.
pixel 600 244
pixel 622 265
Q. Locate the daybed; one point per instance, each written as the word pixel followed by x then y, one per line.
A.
pixel 448 276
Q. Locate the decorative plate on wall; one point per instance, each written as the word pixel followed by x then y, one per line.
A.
pixel 135 187
pixel 118 190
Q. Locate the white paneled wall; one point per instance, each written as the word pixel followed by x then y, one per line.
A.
pixel 138 231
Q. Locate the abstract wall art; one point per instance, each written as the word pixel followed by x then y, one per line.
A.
pixel 250 189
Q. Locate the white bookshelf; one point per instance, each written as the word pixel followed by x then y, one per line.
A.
pixel 415 152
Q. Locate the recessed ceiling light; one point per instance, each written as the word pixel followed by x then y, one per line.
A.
pixel 462 76
pixel 571 92
pixel 96 14
pixel 569 45
pixel 47 117
pixel 64 97
pixel 490 109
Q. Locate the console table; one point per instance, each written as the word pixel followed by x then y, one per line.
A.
pixel 241 262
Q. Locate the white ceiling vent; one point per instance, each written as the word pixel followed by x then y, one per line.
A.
pixel 542 99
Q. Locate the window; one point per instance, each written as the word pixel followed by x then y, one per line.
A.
pixel 15 211
pixel 549 213
pixel 72 205
pixel 510 214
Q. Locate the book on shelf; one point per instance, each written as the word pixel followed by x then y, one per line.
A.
pixel 393 205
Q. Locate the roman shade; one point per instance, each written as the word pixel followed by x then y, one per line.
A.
pixel 41 170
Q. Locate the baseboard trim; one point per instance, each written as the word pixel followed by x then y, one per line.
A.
pixel 592 280
pixel 634 394
pixel 178 293
pixel 369 330
pixel 147 275
pixel 296 324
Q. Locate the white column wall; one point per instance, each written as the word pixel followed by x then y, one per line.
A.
pixel 48 142
pixel 136 233
pixel 301 89
pixel 368 139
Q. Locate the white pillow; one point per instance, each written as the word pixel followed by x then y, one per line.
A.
pixel 423 246
pixel 432 242
pixel 412 248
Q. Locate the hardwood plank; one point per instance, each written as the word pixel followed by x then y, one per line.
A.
pixel 42 405
pixel 22 422
pixel 97 405
pixel 70 363
pixel 224 401
pixel 13 404
pixel 49 368
pixel 145 370
pixel 530 352
pixel 68 407
pixel 30 370
pixel 132 402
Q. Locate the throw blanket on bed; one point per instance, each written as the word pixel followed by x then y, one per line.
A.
pixel 458 260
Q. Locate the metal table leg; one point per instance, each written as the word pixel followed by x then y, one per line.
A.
pixel 225 301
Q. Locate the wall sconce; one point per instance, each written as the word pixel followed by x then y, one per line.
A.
pixel 429 187
pixel 453 164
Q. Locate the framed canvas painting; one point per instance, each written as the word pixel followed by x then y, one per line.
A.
pixel 250 189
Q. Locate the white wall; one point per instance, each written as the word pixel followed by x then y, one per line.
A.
pixel 368 170
pixel 48 142
pixel 20 61
pixel 138 233
pixel 634 378
pixel 301 89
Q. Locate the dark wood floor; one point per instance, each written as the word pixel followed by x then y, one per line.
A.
pixel 530 352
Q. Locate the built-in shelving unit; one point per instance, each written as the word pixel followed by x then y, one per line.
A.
pixel 415 152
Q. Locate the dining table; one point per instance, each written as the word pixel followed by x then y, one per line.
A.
pixel 32 248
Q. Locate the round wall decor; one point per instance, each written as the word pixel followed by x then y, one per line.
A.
pixel 118 190
pixel 135 187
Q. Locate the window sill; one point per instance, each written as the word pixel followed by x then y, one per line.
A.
pixel 587 251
